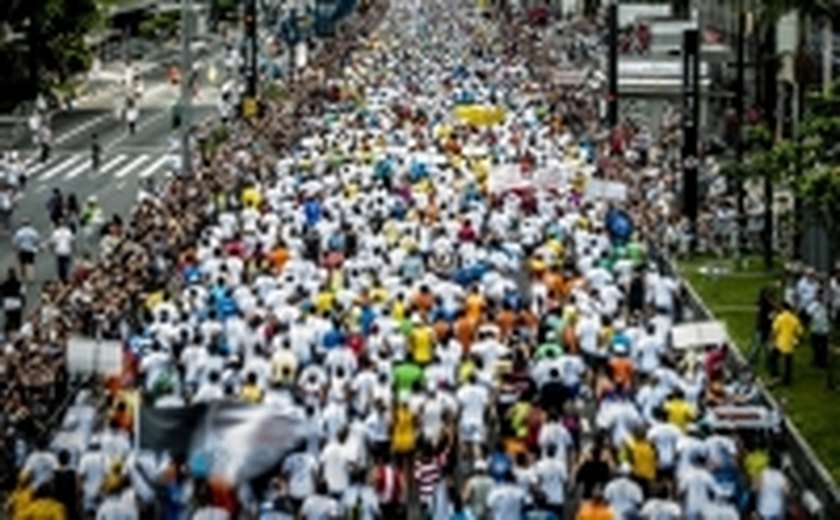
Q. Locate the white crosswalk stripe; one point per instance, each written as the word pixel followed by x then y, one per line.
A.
pixel 125 170
pixel 49 173
pixel 154 167
pixel 80 169
pixel 110 165
pixel 120 166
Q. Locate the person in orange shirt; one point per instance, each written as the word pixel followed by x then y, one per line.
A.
pixel 529 320
pixel 424 300
pixel 555 282
pixel 506 321
pixel 596 508
pixel 442 330
pixel 621 369
pixel 464 331
pixel 474 305
pixel 278 257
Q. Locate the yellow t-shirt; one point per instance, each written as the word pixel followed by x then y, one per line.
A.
pixel 44 509
pixel 324 301
pixel 680 413
pixel 402 440
pixel 642 458
pixel 251 197
pixel 787 330
pixel 251 394
pixel 398 310
pixel 19 501
pixel 422 341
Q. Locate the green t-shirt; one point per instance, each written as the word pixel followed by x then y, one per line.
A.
pixel 406 374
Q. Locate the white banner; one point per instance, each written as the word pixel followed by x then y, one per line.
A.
pixel 696 335
pixel 506 177
pixel 246 441
pixel 86 357
pixel 606 190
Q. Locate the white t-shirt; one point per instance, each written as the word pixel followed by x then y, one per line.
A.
pixel 300 470
pixel 698 487
pixel 117 508
pixel 319 507
pixel 506 501
pixel 62 241
pixel 772 486
pixel 624 496
pixel 658 509
pixel 93 466
pixel 473 399
pixel 335 462
pixel 211 513
pixel 551 476
pixel 664 436
pixel 41 465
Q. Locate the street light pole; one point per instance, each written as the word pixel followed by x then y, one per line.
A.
pixel 691 116
pixel 612 66
pixel 186 91
pixel 251 42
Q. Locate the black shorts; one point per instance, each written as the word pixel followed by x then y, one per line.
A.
pixel 26 257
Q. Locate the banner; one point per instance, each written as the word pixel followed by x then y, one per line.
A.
pixel 506 177
pixel 606 190
pixel 239 441
pixel 698 335
pixel 87 356
pixel 245 440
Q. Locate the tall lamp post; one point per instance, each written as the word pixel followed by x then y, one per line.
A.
pixel 612 66
pixel 691 116
pixel 186 90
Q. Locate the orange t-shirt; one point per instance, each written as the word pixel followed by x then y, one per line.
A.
pixel 506 320
pixel 622 371
pixel 589 510
pixel 278 258
pixel 441 328
pixel 464 331
pixel 474 306
pixel 423 302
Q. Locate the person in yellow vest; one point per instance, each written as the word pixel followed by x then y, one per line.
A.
pixel 787 331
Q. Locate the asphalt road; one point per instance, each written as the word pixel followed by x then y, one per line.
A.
pixel 126 159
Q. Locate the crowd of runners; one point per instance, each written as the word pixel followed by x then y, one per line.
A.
pixel 424 283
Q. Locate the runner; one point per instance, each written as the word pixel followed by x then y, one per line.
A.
pixel 27 241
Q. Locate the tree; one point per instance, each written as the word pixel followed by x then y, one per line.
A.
pixel 55 33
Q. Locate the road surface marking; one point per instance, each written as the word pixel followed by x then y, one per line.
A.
pixel 148 172
pixel 75 172
pixel 81 128
pixel 111 164
pixel 130 166
pixel 40 167
pixel 53 172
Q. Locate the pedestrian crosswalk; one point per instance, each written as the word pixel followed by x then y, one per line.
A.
pixel 71 166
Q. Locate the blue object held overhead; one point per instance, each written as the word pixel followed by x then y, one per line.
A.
pixel 620 225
